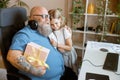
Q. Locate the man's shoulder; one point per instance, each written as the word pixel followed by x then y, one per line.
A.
pixel 26 30
pixel 23 32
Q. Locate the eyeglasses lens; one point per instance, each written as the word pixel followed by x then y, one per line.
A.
pixel 43 16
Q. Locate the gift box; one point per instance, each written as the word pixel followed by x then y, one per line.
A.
pixel 36 54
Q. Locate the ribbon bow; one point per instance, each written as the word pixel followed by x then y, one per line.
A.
pixel 38 62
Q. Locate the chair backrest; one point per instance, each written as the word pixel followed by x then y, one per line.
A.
pixel 11 20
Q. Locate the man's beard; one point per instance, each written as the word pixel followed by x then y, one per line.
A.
pixel 45 30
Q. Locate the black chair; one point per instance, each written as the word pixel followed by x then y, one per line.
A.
pixel 11 20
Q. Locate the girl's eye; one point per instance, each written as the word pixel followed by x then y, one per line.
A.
pixel 56 23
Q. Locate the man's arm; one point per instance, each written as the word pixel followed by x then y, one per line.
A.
pixel 16 58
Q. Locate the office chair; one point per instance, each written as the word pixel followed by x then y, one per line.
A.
pixel 11 20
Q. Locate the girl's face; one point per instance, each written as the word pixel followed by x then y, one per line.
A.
pixel 55 24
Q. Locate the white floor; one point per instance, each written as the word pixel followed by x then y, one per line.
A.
pixel 2 74
pixel 2 70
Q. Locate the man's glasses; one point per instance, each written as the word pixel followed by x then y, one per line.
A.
pixel 43 16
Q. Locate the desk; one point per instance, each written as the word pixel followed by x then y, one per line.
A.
pixel 97 57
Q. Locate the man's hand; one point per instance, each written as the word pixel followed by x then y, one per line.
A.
pixel 16 58
pixel 39 71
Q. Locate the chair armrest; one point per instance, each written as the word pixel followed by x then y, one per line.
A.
pixel 19 75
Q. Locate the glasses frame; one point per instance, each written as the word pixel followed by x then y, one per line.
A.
pixel 43 15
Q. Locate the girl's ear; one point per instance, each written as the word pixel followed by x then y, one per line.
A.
pixel 60 19
pixel 61 22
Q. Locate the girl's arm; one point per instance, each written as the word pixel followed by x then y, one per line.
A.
pixel 68 41
pixel 67 46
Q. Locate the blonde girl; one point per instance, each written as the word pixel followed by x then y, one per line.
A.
pixel 61 38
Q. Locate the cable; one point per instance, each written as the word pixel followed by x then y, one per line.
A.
pixel 92 63
pixel 98 65
pixel 117 73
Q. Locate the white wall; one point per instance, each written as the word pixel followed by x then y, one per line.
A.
pixel 49 4
pixel 65 5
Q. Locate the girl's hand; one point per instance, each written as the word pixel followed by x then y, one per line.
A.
pixel 61 50
pixel 69 29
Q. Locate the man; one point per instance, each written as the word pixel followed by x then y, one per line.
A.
pixel 39 36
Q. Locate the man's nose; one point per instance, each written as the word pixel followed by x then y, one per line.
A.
pixel 47 19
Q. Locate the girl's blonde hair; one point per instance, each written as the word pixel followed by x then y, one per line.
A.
pixel 57 14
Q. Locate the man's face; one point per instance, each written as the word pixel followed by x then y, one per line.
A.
pixel 43 22
pixel 44 29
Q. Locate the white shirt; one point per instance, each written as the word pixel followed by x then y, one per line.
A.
pixel 60 35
